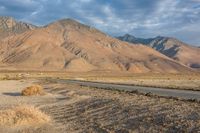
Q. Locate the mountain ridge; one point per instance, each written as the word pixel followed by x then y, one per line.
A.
pixel 171 47
pixel 67 45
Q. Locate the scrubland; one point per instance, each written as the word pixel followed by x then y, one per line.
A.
pixel 74 108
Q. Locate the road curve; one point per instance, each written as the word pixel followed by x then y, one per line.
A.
pixel 183 94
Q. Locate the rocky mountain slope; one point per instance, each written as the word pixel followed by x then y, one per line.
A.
pixel 9 26
pixel 67 45
pixel 171 47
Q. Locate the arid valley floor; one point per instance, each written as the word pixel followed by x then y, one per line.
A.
pixel 76 108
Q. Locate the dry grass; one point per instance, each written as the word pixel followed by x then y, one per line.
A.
pixel 119 112
pixel 174 81
pixel 22 116
pixel 33 90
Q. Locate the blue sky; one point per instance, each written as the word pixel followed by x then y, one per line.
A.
pixel 141 18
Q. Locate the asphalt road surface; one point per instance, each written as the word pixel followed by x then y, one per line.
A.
pixel 184 94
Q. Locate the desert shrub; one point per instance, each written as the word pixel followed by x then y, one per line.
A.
pixel 22 115
pixel 6 77
pixel 33 90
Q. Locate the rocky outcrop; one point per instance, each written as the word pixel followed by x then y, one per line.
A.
pixel 9 27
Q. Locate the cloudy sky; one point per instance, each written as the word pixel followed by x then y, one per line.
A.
pixel 141 18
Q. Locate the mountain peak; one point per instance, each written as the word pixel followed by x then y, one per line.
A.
pixel 128 35
pixel 133 39
pixel 67 22
pixel 160 37
pixel 71 24
pixel 7 22
pixel 9 26
pixel 6 18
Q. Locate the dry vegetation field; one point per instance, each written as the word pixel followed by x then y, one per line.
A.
pixel 173 81
pixel 190 81
pixel 73 108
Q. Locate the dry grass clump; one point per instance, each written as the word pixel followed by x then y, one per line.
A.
pixel 33 90
pixel 21 116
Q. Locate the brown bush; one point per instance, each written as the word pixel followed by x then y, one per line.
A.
pixel 33 90
pixel 22 115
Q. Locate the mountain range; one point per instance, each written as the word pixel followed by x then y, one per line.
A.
pixel 67 45
pixel 173 48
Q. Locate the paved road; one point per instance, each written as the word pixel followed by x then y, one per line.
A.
pixel 184 94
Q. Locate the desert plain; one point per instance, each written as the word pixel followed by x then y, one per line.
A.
pixel 69 107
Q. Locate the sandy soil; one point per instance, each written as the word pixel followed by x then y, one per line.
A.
pixel 73 108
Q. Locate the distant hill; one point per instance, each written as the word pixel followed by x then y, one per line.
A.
pixel 171 47
pixel 67 45
pixel 135 40
pixel 9 27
